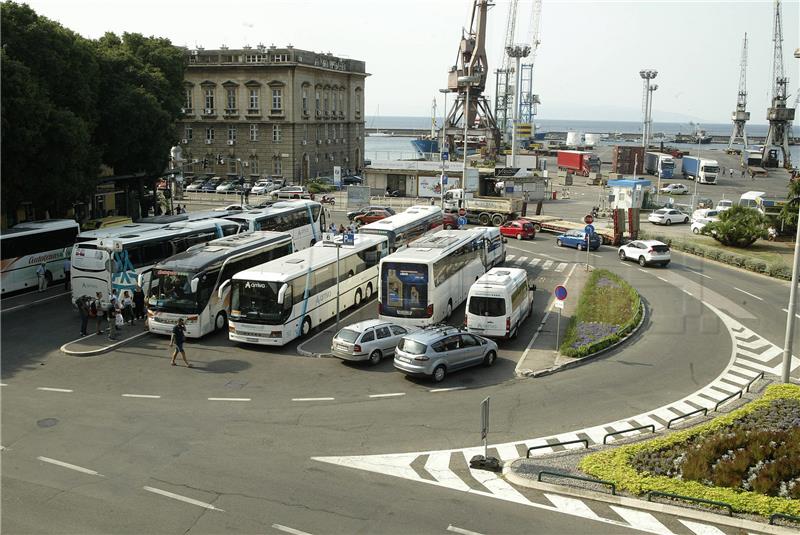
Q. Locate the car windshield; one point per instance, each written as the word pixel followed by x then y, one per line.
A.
pixel 348 335
pixel 257 302
pixel 661 212
pixel 487 306
pixel 412 346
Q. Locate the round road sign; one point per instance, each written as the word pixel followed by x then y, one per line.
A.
pixel 560 293
pixel 589 229
pixel 462 221
pixel 588 219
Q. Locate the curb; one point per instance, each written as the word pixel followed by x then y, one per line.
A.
pixel 101 350
pixel 592 356
pixel 741 523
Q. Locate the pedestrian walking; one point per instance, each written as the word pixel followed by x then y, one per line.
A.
pixel 115 321
pixel 41 276
pixel 83 309
pixel 742 172
pixel 178 338
pixel 138 303
pixel 97 311
pixel 127 307
pixel 332 229
pixel 247 194
pixel 731 170
pixel 178 210
pixel 341 229
pixel 67 269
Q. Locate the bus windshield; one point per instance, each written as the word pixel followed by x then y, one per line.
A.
pixel 404 289
pixel 257 302
pixel 171 291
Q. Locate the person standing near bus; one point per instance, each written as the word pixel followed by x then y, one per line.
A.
pixel 138 303
pixel 67 269
pixel 178 338
pixel 41 276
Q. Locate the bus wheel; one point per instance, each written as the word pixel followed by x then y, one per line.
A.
pixel 306 326
pixel 357 300
pixel 369 291
pixel 449 310
pixel 219 322
pixel 484 219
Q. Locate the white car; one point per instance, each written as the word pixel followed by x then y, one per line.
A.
pixel 291 192
pixel 667 216
pixel 228 187
pixel 645 252
pixel 369 340
pixel 724 204
pixel 704 213
pixel 699 222
pixel 675 189
pixel 262 186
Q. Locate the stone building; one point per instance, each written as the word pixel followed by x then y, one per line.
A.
pixel 270 111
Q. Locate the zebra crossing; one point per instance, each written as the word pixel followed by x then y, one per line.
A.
pixel 525 261
pixel 751 355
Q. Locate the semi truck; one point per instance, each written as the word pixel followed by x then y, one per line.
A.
pixel 483 210
pixel 578 162
pixel 700 169
pixel 659 164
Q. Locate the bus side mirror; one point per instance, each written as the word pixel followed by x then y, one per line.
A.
pixel 193 285
pixel 282 293
pixel 220 290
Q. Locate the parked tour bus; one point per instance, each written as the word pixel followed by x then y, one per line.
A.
pixel 187 286
pixel 422 284
pixel 117 261
pixel 304 220
pixel 405 227
pixel 147 224
pixel 25 246
pixel 276 302
pixel 499 302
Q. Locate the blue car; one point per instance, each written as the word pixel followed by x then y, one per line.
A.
pixel 577 239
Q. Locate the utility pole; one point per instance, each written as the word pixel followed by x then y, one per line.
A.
pixel 741 115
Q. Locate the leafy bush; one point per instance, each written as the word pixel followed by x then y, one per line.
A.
pixel 738 226
pixel 318 186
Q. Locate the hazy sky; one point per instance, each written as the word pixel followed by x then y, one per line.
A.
pixel 587 66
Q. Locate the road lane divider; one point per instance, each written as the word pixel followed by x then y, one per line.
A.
pixel 287 529
pixel 392 395
pixel 787 311
pixel 461 531
pixel 697 272
pixel 450 389
pixel 144 396
pixel 183 499
pixel 51 389
pixel 662 279
pixel 313 399
pixel 228 399
pixel 70 466
pixel 747 293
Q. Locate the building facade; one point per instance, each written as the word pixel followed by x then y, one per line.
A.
pixel 267 111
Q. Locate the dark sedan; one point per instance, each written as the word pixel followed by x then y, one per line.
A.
pixel 362 211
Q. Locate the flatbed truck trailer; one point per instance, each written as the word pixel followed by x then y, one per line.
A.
pixel 557 225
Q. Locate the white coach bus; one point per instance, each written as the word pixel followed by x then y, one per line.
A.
pixel 27 245
pixel 186 286
pixel 405 227
pixel 281 300
pixel 118 261
pixel 304 220
pixel 422 284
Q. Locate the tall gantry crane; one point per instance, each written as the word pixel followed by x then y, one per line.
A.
pixel 528 100
pixel 778 115
pixel 504 91
pixel 741 115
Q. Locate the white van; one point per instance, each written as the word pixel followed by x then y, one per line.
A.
pixel 495 246
pixel 499 302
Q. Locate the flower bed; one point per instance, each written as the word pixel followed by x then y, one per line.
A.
pixel 608 309
pixel 749 458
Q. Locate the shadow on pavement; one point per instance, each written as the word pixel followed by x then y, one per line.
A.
pixel 224 366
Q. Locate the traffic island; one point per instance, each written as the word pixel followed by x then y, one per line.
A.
pixel 97 344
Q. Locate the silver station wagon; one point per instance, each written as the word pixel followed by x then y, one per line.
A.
pixel 369 340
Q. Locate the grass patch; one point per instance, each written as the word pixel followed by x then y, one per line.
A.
pixel 748 458
pixel 608 309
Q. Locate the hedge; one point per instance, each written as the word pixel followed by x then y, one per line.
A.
pixel 750 263
pixel 614 465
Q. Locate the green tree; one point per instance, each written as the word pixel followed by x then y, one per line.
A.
pixel 789 211
pixel 738 226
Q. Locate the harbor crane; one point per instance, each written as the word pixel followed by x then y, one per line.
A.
pixel 741 115
pixel 778 115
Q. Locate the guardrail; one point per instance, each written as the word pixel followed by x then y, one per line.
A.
pixel 652 427
pixel 585 443
pixel 704 410
pixel 738 393
pixel 790 518
pixel 580 478
pixel 753 380
pixel 724 505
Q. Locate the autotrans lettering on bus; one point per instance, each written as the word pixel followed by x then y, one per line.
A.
pixel 403 228
pixel 195 285
pixel 422 284
pixel 276 302
pixel 304 220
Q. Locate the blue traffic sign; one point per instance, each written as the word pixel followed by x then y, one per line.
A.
pixel 589 229
pixel 462 221
pixel 560 293
pixel 444 180
pixel 348 238
pixel 445 156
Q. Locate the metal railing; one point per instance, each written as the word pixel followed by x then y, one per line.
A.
pixel 738 393
pixel 704 410
pixel 753 380
pixel 580 478
pixel 652 427
pixel 724 505
pixel 583 440
pixel 790 518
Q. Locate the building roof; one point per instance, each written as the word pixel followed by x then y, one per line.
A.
pixel 628 183
pixel 454 168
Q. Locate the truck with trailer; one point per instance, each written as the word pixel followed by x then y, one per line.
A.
pixel 559 225
pixel 483 210
pixel 659 164
pixel 701 169
pixel 578 162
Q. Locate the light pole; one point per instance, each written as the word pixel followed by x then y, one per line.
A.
pixel 517 52
pixel 466 80
pixel 345 240
pixel 441 147
pixel 697 173
pixel 647 75
pixel 650 91
pixel 790 314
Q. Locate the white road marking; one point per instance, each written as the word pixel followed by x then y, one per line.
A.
pixel 561 267
pixel 687 292
pixel 701 529
pixel 438 465
pixel 510 257
pixel 35 302
pixel 313 399
pixel 70 466
pixel 182 498
pixel 787 311
pixel 535 262
pixel 48 389
pixel 287 529
pixel 146 396
pixel 392 395
pixel 662 278
pixel 698 273
pixel 595 255
pixel 3 384
pixel 462 531
pixel 228 399
pixel 572 506
pixel 447 389
pixel 747 293
pixel 643 270
pixel 547 264
pixel 522 259
pixel 641 520
pixel 116 343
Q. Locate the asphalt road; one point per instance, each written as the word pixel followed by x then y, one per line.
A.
pixel 247 462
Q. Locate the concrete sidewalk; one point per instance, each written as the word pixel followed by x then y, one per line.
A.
pixel 96 344
pixel 54 292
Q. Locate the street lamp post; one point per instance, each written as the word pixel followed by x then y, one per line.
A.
pixel 790 314
pixel 647 75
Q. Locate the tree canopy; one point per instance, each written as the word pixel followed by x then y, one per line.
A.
pixel 70 105
pixel 739 226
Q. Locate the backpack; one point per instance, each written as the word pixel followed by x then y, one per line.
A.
pixel 93 309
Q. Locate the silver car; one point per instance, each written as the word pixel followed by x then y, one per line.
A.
pixel 369 340
pixel 438 350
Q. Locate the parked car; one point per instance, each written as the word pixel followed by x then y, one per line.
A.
pixel 577 239
pixel 645 252
pixel 352 214
pixel 667 216
pixel 724 204
pixel 436 351
pixel 210 186
pixel 229 186
pixel 352 181
pixel 705 212
pixel 369 340
pixel 291 192
pixel 702 219
pixel 196 185
pixel 371 216
pixel 675 189
pixel 261 187
pixel 449 221
pixel 519 229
